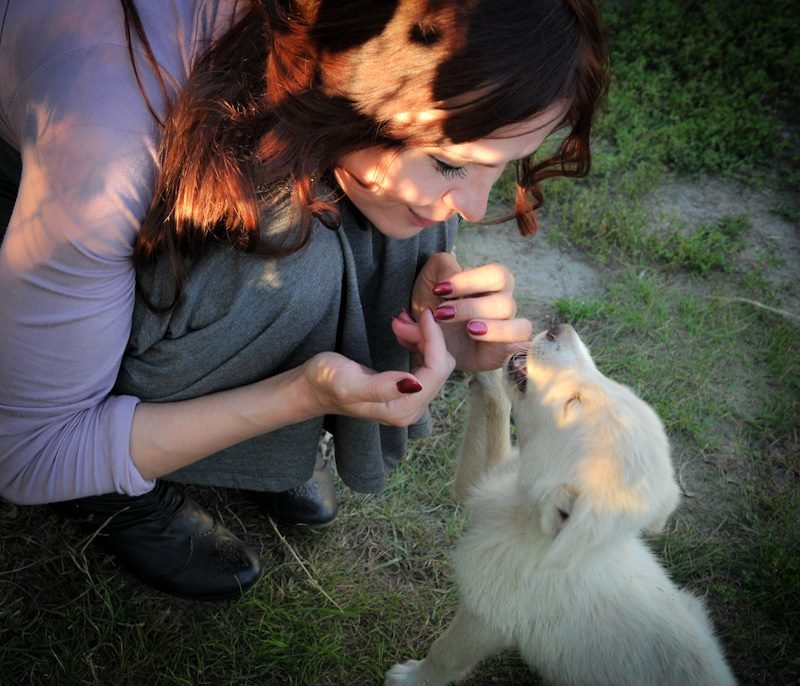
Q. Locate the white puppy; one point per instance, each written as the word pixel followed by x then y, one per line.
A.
pixel 552 564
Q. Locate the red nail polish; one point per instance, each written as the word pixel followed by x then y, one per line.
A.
pixel 408 386
pixel 443 288
pixel 477 328
pixel 404 316
pixel 444 312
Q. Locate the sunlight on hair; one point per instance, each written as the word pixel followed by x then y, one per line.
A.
pixel 424 117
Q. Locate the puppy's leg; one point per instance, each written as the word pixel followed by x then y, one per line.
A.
pixel 487 438
pixel 463 645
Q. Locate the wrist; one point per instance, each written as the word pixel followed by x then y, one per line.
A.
pixel 311 395
pixel 281 400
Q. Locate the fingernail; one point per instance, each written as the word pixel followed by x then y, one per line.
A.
pixel 404 316
pixel 443 288
pixel 477 328
pixel 444 312
pixel 408 386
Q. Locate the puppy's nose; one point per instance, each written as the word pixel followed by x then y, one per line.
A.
pixel 559 331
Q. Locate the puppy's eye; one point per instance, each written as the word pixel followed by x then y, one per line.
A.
pixel 564 515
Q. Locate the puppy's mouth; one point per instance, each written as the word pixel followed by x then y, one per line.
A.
pixel 517 369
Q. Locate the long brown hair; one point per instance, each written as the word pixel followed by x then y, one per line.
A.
pixel 295 84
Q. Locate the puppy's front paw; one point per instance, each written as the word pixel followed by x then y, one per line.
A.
pixel 487 381
pixel 403 674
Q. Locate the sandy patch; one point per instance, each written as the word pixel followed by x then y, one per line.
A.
pixel 773 241
pixel 543 272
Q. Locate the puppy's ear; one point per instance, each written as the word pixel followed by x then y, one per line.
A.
pixel 576 524
pixel 555 508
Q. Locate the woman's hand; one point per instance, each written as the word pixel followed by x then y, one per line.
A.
pixel 476 310
pixel 340 386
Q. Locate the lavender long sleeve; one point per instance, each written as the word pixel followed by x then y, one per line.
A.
pixel 70 105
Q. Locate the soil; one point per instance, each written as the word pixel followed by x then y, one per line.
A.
pixel 545 272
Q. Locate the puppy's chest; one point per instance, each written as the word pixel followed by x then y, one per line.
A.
pixel 498 575
pixel 497 558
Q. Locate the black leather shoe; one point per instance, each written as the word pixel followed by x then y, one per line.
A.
pixel 168 541
pixel 312 503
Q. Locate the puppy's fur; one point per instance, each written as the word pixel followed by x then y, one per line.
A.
pixel 552 564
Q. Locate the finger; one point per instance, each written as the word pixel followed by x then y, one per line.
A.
pixel 441 267
pixel 438 269
pixel 492 306
pixel 409 336
pixel 512 332
pixel 354 383
pixel 407 331
pixel 488 278
pixel 437 359
pixel 399 399
pixel 437 365
pixel 385 387
pixel 392 397
pixel 427 339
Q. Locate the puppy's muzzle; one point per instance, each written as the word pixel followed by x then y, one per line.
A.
pixel 517 370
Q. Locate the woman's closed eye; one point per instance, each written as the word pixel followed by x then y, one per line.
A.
pixel 449 171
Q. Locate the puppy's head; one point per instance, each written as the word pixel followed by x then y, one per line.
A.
pixel 555 385
pixel 594 456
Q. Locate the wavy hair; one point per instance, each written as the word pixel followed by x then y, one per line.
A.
pixel 295 84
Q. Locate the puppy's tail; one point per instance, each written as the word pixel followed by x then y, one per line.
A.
pixel 487 430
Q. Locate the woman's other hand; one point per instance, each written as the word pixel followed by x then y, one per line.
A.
pixel 340 386
pixel 476 310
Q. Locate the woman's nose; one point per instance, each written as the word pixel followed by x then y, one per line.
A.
pixel 470 200
pixel 470 204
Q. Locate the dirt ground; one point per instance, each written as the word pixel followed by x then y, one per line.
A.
pixel 544 272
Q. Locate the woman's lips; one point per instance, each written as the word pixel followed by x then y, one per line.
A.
pixel 424 222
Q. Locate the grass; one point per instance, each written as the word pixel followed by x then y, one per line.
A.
pixel 689 317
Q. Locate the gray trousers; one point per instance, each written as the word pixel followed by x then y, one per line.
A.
pixel 245 317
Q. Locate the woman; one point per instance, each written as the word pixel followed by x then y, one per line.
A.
pixel 286 177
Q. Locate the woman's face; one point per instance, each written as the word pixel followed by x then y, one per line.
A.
pixel 403 192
